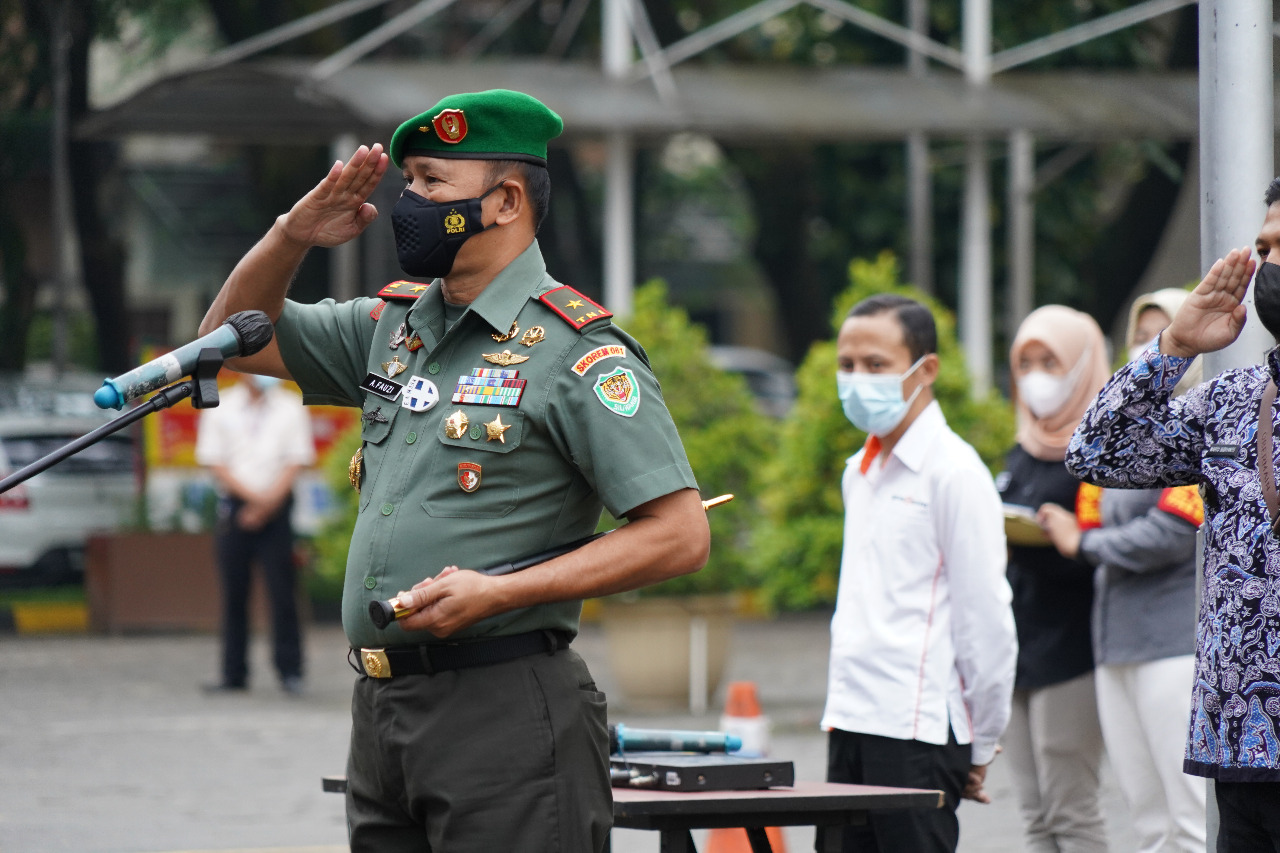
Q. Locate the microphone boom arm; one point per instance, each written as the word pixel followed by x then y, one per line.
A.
pixel 202 387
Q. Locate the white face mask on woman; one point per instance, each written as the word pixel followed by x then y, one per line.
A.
pixel 1045 394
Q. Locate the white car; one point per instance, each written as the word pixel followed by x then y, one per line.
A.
pixel 45 521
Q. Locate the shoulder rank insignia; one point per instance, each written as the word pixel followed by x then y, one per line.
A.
pixel 574 308
pixel 1183 502
pixel 410 290
pixel 1089 506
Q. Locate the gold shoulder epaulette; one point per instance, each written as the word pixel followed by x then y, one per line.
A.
pixel 403 290
pixel 575 309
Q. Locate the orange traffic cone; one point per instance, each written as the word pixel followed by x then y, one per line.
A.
pixel 742 717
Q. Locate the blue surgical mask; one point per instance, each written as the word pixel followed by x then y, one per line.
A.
pixel 873 402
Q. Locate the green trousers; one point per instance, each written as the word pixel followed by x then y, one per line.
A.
pixel 509 757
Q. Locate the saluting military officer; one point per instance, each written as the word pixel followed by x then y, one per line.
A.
pixel 501 411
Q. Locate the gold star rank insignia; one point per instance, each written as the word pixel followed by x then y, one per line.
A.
pixel 506 358
pixel 495 428
pixel 576 303
pixel 393 367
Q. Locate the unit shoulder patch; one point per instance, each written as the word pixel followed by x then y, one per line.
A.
pixel 1183 502
pixel 1089 506
pixel 575 309
pixel 410 290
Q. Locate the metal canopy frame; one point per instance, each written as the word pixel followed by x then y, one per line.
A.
pixel 631 54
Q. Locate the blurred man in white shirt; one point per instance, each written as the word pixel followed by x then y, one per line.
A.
pixel 255 443
pixel 922 642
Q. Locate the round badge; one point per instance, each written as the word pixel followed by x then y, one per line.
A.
pixel 419 394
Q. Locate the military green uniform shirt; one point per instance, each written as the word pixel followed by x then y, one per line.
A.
pixel 589 429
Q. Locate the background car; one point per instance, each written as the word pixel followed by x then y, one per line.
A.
pixel 771 378
pixel 45 521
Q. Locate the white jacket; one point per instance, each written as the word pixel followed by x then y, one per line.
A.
pixel 923 637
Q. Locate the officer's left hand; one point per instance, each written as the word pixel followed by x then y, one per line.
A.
pixel 447 603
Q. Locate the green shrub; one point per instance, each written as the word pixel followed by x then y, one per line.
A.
pixel 331 544
pixel 724 435
pixel 797 545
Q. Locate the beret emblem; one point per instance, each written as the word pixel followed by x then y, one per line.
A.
pixel 450 125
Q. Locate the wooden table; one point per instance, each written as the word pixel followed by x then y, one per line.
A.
pixel 827 806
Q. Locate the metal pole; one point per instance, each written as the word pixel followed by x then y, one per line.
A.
pixel 1237 130
pixel 975 226
pixel 619 224
pixel 344 260
pixel 615 39
pixel 919 175
pixel 1236 139
pixel 1021 235
pixel 975 267
pixel 63 220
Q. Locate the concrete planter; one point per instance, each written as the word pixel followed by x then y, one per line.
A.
pixel 666 652
pixel 145 581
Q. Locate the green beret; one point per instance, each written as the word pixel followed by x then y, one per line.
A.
pixel 495 125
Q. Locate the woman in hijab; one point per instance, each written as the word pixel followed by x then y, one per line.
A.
pixel 1059 363
pixel 1142 550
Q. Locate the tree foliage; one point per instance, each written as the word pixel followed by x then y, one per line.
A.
pixel 796 551
pixel 724 435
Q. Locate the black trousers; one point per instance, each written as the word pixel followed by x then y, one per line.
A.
pixel 1249 817
pixel 862 759
pixel 272 548
pixel 508 757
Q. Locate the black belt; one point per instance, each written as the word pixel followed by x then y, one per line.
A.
pixel 430 658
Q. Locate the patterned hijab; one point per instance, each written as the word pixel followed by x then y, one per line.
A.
pixel 1075 341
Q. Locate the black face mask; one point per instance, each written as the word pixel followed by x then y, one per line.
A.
pixel 430 233
pixel 1266 297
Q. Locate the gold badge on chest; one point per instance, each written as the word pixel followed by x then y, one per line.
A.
pixel 455 426
pixel 502 339
pixel 393 367
pixel 506 358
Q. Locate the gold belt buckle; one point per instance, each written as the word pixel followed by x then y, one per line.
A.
pixel 375 663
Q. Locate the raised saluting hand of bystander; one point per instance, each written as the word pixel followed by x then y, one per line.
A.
pixel 1214 313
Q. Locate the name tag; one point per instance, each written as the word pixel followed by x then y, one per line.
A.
pixel 1223 451
pixel 384 388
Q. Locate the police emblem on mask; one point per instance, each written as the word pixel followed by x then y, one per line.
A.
pixel 454 223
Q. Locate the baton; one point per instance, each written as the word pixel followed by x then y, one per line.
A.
pixel 383 613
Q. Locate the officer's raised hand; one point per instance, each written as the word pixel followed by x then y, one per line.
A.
pixel 1214 313
pixel 337 209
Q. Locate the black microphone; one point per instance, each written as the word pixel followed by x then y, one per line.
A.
pixel 243 333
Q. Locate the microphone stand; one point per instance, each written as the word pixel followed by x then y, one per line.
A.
pixel 201 387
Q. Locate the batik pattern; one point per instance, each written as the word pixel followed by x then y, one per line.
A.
pixel 1135 436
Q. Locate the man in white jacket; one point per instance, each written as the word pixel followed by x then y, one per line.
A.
pixel 922 642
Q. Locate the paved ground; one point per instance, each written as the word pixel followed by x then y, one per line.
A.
pixel 107 744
